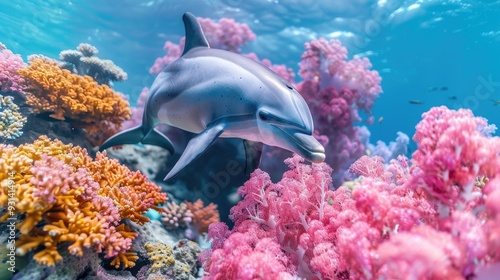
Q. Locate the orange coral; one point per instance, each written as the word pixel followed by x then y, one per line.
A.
pixel 203 216
pixel 67 95
pixel 79 200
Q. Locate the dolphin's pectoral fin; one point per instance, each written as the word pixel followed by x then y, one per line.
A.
pixel 253 154
pixel 195 147
pixel 130 136
pixel 154 137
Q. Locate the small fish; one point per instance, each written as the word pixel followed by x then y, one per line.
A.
pixel 444 88
pixel 495 102
pixel 381 119
pixel 452 97
pixel 416 102
pixel 430 89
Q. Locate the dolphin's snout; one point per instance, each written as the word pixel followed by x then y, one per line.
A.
pixel 317 157
pixel 309 147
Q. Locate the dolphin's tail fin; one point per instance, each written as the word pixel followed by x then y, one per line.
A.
pixel 135 135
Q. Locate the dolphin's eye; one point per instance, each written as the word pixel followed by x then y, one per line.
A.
pixel 264 115
pixel 289 86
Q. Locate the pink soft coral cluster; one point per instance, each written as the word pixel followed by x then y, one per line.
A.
pixel 326 62
pixel 336 90
pixel 430 218
pixel 10 80
pixel 226 34
pixel 452 154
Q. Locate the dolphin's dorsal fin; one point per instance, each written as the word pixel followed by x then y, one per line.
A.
pixel 194 34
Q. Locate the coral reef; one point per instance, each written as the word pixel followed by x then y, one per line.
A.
pixel 203 216
pixel 83 61
pixel 10 63
pixel 11 120
pixel 176 215
pixel 96 108
pixel 179 262
pixel 39 124
pixel 66 95
pixel 432 217
pixel 73 199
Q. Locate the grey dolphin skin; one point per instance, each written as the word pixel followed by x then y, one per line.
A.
pixel 216 93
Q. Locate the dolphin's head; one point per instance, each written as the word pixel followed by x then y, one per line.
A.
pixel 285 121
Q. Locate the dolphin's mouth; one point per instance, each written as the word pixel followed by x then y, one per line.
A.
pixel 306 145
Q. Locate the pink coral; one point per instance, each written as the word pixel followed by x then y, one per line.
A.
pixel 430 255
pixel 52 176
pixel 371 167
pixel 391 224
pixel 325 61
pixel 226 34
pixel 452 153
pixel 336 90
pixel 10 80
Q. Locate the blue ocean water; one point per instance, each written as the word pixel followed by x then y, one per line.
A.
pixel 415 45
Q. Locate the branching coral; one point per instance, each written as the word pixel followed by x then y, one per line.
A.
pixel 73 199
pixel 203 216
pixel 66 95
pixel 11 121
pixel 176 215
pixel 84 61
pixel 428 218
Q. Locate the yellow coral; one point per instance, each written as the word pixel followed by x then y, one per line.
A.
pixel 74 209
pixel 67 95
pixel 160 254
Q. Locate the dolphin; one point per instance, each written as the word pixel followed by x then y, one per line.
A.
pixel 216 93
